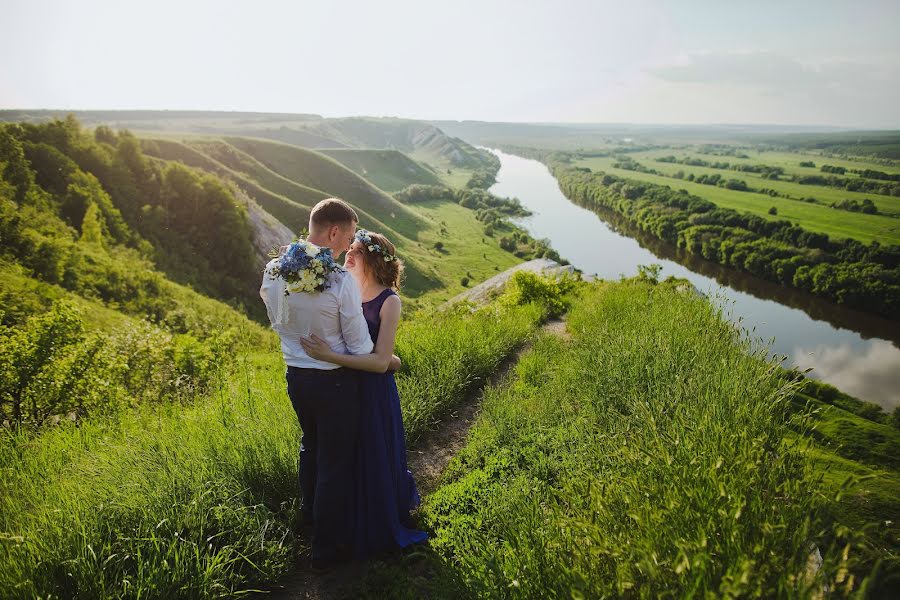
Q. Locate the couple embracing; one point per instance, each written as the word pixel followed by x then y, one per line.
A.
pixel 337 327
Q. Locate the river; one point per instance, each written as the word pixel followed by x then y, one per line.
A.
pixel 856 353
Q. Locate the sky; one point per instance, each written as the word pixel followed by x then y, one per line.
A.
pixel 825 62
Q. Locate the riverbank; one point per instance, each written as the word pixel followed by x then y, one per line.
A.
pixel 852 351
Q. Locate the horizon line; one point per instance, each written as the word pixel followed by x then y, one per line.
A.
pixel 846 128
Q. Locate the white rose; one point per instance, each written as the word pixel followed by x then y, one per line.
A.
pixel 311 250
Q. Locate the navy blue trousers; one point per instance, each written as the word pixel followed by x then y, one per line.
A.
pixel 327 404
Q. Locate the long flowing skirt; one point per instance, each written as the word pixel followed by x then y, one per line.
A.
pixel 386 489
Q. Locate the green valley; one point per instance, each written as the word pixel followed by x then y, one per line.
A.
pixel 643 446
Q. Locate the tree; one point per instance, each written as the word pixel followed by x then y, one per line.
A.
pixel 92 226
pixel 13 166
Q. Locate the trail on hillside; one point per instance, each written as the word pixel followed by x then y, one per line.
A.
pixel 427 460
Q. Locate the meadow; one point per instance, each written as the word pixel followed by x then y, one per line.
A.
pixel 791 163
pixel 390 170
pixel 815 217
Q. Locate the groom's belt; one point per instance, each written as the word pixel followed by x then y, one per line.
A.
pixel 339 370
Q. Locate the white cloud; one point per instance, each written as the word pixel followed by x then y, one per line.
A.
pixel 873 374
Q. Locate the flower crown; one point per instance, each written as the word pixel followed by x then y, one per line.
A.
pixel 366 238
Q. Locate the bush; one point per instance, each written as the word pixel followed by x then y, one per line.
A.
pixel 528 287
pixel 464 282
pixel 50 368
pixel 773 210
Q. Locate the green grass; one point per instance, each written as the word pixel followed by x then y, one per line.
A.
pixel 835 223
pixel 450 175
pixel 200 500
pixel 173 502
pixel 889 205
pixel 240 162
pixel 465 249
pixel 431 387
pixel 389 170
pixel 644 457
pixel 860 462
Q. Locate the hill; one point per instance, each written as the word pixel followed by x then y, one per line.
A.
pixel 309 131
pixel 320 172
pixel 390 170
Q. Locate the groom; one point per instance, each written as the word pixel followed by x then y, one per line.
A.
pixel 325 396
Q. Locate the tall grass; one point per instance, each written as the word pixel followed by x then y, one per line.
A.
pixel 200 501
pixel 172 502
pixel 446 354
pixel 645 457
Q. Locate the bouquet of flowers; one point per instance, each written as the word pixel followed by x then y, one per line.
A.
pixel 304 267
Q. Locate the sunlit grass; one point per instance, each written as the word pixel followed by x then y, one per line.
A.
pixel 645 457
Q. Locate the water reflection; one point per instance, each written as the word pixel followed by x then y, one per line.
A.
pixel 860 371
pixel 845 347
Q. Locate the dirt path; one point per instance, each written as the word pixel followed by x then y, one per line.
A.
pixel 427 461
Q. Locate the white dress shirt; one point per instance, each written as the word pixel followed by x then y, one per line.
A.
pixel 335 315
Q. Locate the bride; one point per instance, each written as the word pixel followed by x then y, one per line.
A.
pixel 386 490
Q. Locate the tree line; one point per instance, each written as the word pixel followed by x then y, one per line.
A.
pixel 862 276
pixel 69 185
pixel 86 220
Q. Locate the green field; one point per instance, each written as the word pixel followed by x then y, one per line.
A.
pixel 815 217
pixel 390 170
pixel 889 205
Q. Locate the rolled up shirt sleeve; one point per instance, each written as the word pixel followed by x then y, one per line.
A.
pixel 353 324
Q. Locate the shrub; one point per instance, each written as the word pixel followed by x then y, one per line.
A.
pixel 528 287
pixel 51 368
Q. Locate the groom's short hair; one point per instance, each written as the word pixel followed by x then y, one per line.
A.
pixel 332 211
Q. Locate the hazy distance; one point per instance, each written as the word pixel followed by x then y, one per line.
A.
pixel 805 63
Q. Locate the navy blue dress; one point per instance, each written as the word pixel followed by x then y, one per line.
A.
pixel 386 491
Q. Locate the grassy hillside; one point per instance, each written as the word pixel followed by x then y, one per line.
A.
pixel 450 242
pixel 651 451
pixel 182 501
pixel 317 171
pixel 249 167
pixel 390 170
pixel 292 213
